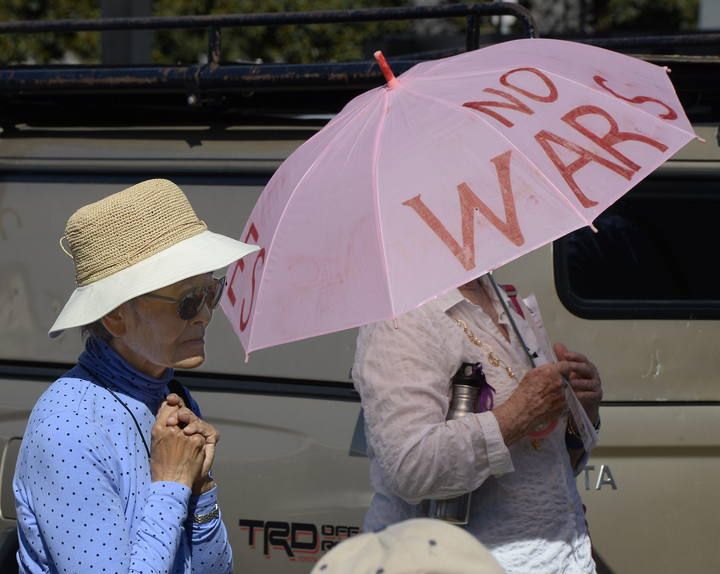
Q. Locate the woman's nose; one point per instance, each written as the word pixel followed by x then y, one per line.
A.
pixel 204 315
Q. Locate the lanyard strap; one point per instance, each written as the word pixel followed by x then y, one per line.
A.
pixel 137 424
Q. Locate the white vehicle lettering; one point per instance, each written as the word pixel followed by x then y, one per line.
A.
pixel 604 477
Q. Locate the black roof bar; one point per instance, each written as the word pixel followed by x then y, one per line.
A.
pixel 277 19
pixel 215 23
pixel 195 80
pixel 671 41
pixel 199 78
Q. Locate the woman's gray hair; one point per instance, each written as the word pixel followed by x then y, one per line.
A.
pixel 96 329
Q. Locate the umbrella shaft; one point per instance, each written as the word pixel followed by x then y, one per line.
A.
pixel 513 324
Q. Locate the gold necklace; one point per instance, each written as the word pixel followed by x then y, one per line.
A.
pixel 494 360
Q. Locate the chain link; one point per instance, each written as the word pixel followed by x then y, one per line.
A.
pixel 494 360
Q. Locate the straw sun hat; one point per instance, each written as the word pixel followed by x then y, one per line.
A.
pixel 134 242
pixel 417 546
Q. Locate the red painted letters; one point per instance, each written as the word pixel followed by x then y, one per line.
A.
pixel 669 114
pixel 251 236
pixel 469 205
pixel 513 102
pixel 567 171
pixel 613 137
pixel 552 94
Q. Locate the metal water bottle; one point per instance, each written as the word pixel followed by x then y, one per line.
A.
pixel 466 386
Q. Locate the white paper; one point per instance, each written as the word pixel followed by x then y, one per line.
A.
pixel 587 431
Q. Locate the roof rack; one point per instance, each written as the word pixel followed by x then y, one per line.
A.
pixel 662 42
pixel 225 93
pixel 215 72
pixel 215 91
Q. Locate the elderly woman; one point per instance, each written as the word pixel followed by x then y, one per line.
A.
pixel 525 507
pixel 114 471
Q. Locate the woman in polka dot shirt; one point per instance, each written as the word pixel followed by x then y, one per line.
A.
pixel 114 471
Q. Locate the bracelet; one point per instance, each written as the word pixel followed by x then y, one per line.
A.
pixel 203 518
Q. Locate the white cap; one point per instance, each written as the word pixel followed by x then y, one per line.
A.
pixel 417 546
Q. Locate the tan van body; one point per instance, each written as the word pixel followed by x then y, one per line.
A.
pixel 291 482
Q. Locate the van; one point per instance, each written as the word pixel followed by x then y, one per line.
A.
pixel 641 298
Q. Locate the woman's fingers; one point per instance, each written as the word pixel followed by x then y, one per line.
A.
pixel 175 414
pixel 182 417
pixel 165 412
pixel 205 429
pixel 585 385
pixel 174 456
pixel 564 354
pixel 174 400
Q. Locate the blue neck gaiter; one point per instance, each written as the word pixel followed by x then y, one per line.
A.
pixel 108 369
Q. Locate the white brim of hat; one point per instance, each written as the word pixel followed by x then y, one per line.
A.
pixel 202 253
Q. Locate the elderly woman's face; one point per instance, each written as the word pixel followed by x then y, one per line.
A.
pixel 151 335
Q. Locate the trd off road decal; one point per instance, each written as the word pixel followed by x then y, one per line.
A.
pixel 296 540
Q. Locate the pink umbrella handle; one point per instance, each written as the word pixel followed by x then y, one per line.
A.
pixel 385 67
pixel 544 431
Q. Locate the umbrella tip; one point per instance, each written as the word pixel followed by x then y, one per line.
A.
pixel 701 140
pixel 385 68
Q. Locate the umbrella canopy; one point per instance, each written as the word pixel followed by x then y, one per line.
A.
pixel 451 170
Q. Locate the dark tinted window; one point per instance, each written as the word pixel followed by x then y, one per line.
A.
pixel 655 254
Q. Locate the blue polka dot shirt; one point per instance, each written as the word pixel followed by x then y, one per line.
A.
pixel 85 500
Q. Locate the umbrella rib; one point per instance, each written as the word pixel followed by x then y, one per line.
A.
pixel 351 117
pixel 477 117
pixel 376 193
pixel 357 138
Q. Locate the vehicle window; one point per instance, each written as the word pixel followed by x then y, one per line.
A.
pixel 651 258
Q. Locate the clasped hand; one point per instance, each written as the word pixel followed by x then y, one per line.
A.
pixel 183 446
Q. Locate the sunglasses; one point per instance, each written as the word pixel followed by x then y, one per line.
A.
pixel 190 304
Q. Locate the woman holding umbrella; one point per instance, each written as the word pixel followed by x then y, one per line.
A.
pixel 114 470
pixel 525 507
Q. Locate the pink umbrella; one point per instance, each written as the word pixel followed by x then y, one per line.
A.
pixel 451 170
